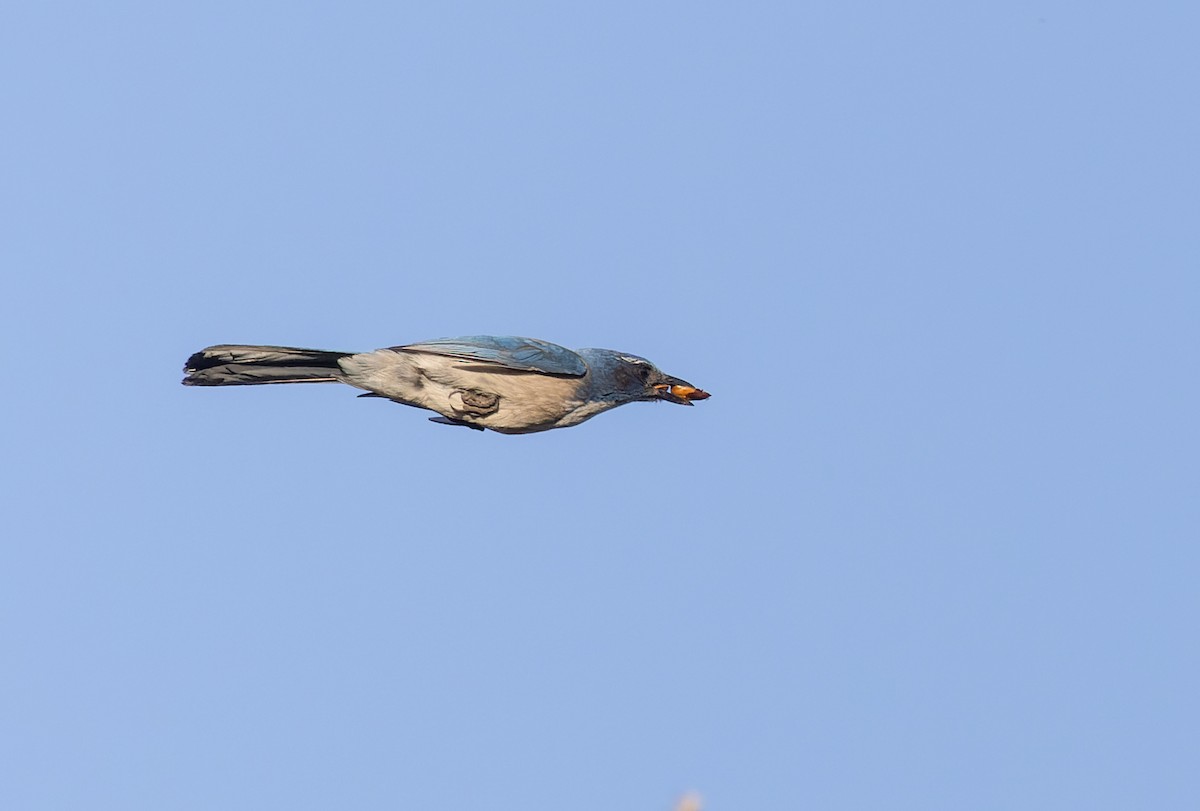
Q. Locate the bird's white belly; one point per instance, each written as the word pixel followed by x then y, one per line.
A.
pixel 505 401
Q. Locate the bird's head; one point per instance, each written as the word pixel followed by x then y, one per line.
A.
pixel 629 378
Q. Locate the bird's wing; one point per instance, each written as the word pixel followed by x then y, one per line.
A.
pixel 508 352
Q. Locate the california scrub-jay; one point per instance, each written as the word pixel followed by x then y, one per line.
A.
pixel 508 384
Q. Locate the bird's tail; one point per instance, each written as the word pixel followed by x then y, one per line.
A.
pixel 234 365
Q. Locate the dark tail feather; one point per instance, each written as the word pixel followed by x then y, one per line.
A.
pixel 233 365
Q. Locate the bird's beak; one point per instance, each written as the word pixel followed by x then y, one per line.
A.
pixel 677 391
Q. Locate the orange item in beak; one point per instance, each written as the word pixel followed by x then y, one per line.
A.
pixel 686 392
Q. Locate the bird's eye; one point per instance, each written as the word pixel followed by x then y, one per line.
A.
pixel 644 372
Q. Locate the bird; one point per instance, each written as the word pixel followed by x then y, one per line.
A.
pixel 507 384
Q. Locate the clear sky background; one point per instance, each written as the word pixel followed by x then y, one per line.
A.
pixel 932 544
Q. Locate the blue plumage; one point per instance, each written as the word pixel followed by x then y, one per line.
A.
pixel 508 351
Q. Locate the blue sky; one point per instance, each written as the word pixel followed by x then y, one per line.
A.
pixel 930 545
